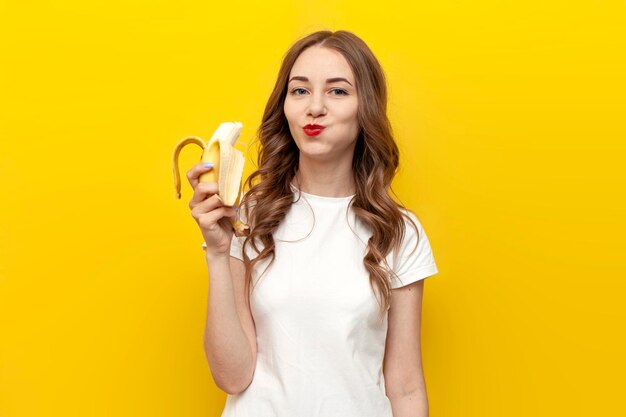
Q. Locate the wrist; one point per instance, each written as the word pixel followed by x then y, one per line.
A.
pixel 217 258
pixel 212 256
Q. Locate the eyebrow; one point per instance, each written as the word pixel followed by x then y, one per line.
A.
pixel 328 81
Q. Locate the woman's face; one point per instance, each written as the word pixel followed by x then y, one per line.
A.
pixel 321 91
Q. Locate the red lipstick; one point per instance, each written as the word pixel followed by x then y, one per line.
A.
pixel 313 130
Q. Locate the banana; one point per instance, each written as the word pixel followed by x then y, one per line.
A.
pixel 227 169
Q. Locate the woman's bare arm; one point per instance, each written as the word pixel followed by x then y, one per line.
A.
pixel 230 336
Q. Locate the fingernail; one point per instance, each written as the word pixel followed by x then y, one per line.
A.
pixel 208 164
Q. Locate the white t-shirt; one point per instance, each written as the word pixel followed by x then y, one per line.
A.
pixel 320 344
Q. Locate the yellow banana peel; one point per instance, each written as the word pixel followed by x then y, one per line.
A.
pixel 227 169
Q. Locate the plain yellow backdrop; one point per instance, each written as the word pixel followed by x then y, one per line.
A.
pixel 510 117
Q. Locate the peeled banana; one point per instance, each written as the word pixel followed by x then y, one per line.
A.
pixel 227 169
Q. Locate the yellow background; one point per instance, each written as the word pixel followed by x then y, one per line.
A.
pixel 511 121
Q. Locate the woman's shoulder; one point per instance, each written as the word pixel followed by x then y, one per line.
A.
pixel 412 231
pixel 410 218
pixel 413 258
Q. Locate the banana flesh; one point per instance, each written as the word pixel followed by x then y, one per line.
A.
pixel 227 170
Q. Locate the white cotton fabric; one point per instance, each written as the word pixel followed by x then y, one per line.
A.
pixel 320 345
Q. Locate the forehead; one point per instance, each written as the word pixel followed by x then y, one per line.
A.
pixel 319 62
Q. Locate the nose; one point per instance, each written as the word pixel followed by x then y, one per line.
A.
pixel 317 106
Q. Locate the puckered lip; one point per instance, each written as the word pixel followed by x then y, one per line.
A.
pixel 314 127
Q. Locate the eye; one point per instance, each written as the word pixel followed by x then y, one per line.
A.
pixel 294 91
pixel 343 92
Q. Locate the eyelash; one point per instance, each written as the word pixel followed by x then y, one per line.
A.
pixel 344 92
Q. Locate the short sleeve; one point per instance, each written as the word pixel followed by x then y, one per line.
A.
pixel 411 263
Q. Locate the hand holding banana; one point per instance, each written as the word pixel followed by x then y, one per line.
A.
pixel 218 188
pixel 213 217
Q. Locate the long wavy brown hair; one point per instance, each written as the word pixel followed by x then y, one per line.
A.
pixel 374 164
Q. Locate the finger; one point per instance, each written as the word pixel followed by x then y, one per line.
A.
pixel 202 192
pixel 206 206
pixel 209 221
pixel 195 172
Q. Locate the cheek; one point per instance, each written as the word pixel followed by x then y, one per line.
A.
pixel 287 109
pixel 349 115
pixel 291 111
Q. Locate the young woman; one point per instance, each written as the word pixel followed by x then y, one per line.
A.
pixel 328 284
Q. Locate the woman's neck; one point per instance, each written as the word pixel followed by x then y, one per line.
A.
pixel 325 179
